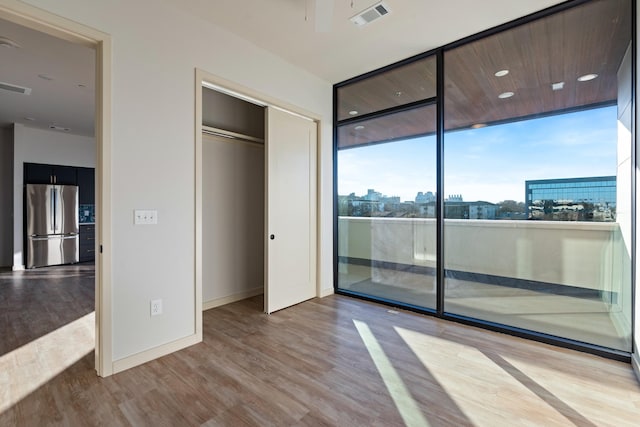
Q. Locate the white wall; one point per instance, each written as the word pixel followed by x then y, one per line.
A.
pixel 43 146
pixel 156 47
pixel 6 197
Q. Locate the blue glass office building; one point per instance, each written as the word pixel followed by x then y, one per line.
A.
pixel 572 199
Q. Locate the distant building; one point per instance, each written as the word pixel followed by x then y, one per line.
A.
pixel 571 199
pixel 373 203
pixel 372 195
pixel 469 210
pixel 427 197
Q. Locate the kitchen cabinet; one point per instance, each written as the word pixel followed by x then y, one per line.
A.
pixel 87 186
pixel 36 173
pixel 87 243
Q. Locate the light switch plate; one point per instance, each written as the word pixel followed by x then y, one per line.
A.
pixel 145 217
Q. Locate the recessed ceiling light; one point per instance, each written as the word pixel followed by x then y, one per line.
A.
pixel 398 93
pixel 8 43
pixel 31 119
pixel 353 112
pixel 478 126
pixel 501 73
pixel 587 77
pixel 557 86
pixel 81 85
pixel 45 77
pixel 505 95
pixel 359 127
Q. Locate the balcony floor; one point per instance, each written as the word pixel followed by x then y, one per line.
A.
pixel 588 320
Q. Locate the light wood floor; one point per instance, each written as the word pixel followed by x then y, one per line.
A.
pixel 36 302
pixel 335 362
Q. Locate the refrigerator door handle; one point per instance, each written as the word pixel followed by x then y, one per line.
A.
pixel 52 207
pixel 39 239
pixel 56 201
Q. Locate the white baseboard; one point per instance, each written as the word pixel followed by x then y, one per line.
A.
pixel 154 353
pixel 635 362
pixel 18 268
pixel 326 292
pixel 217 302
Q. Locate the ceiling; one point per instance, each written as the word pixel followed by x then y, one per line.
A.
pixel 65 97
pixel 411 27
pixel 283 27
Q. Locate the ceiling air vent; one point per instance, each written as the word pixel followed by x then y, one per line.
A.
pixel 370 14
pixel 14 88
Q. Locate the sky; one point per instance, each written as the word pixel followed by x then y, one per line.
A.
pixel 491 163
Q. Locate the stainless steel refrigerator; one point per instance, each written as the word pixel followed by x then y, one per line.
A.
pixel 52 224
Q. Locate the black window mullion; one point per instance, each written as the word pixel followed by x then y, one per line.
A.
pixel 440 183
pixel 385 112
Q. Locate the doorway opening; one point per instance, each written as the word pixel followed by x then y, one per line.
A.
pixel 233 196
pixel 79 145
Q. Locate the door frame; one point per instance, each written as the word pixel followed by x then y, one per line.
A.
pixel 62 28
pixel 206 79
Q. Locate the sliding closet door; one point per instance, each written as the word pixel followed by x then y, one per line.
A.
pixel 291 210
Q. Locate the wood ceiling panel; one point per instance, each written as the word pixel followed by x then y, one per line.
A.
pixel 591 38
pixel 587 39
pixel 406 124
pixel 400 86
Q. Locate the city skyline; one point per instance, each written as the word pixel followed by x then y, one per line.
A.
pixel 490 163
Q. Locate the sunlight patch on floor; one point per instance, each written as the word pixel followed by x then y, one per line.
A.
pixel 567 387
pixel 482 390
pixel 27 368
pixel 407 406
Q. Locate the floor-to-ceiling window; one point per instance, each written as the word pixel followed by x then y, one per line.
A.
pixel 536 178
pixel 386 168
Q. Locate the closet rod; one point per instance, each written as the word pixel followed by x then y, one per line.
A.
pixel 228 134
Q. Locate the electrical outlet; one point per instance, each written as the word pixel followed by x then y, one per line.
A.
pixel 145 217
pixel 156 307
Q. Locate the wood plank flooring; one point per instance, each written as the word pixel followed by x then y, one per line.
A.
pixel 340 362
pixel 36 302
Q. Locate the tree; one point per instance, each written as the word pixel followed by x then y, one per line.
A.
pixel 510 206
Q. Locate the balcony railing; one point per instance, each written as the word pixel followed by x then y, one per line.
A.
pixel 576 259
